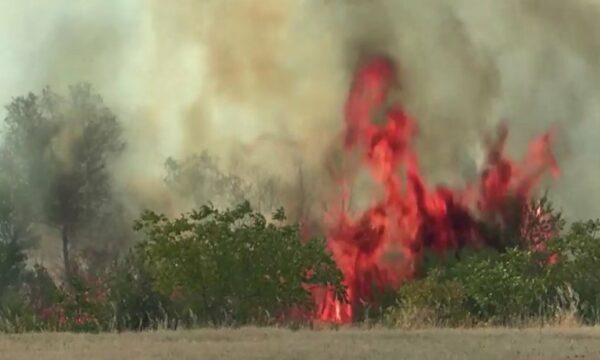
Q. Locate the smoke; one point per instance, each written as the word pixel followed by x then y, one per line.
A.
pixel 261 84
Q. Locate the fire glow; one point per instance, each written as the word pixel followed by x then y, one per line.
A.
pixel 384 245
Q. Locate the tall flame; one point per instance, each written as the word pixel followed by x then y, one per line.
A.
pixel 383 246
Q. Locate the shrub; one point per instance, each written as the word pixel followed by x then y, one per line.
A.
pixel 577 264
pixel 12 265
pixel 500 287
pixel 485 287
pixel 81 306
pixel 430 301
pixel 233 266
pixel 134 301
pixel 517 284
pixel 13 307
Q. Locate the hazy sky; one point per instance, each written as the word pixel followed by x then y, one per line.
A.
pixel 187 75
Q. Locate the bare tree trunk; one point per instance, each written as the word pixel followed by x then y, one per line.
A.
pixel 65 253
pixel 302 195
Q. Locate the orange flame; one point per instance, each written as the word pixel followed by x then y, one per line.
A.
pixel 383 247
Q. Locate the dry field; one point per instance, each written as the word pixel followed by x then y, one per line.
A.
pixel 251 343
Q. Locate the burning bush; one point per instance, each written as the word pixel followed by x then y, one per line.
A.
pixel 382 247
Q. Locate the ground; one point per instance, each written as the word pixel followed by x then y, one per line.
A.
pixel 252 343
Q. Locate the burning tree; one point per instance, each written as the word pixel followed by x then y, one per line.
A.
pixel 382 247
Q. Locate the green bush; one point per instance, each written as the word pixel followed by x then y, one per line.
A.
pixel 501 287
pixel 505 287
pixel 488 287
pixel 233 266
pixel 430 301
pixel 13 306
pixel 135 302
pixel 578 265
pixel 12 265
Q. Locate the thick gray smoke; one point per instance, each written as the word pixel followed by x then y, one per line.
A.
pixel 261 84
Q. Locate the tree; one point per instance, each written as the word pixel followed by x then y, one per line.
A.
pixel 266 193
pixel 199 177
pixel 15 227
pixel 57 150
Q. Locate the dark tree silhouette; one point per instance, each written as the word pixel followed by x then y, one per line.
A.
pixel 56 151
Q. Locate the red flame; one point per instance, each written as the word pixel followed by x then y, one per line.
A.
pixel 383 246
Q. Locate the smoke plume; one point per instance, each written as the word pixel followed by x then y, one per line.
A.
pixel 261 84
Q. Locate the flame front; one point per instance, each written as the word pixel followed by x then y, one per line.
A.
pixel 383 246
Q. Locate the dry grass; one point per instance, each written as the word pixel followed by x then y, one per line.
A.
pixel 252 343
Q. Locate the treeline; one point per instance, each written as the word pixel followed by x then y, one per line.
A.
pixel 227 265
pixel 204 268
pixel 57 158
pixel 233 267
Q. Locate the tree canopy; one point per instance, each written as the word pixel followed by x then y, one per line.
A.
pixel 56 154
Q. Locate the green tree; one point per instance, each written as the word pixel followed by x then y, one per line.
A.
pixel 57 151
pixel 234 266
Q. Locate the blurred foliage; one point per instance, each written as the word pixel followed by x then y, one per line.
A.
pixel 200 178
pixel 54 163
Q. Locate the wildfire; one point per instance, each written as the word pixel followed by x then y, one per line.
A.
pixel 383 246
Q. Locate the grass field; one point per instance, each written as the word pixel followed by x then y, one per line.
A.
pixel 251 343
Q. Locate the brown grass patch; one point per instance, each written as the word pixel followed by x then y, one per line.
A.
pixel 325 344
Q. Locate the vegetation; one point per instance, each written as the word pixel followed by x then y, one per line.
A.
pixel 232 266
pixel 215 267
pixel 55 152
pixel 509 287
pixel 208 267
pixel 199 177
pixel 229 264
